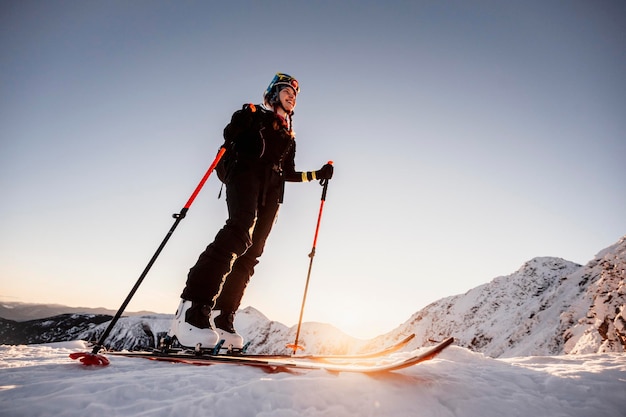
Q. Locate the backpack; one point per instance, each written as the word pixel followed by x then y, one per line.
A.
pixel 227 162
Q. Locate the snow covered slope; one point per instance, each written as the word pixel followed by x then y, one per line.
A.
pixel 548 307
pixel 596 319
pixel 43 381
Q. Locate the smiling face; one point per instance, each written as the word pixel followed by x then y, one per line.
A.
pixel 287 97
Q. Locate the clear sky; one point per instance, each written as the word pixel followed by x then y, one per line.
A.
pixel 468 137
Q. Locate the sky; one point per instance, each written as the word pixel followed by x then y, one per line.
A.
pixel 467 139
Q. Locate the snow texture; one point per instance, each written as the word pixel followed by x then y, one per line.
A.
pixel 40 380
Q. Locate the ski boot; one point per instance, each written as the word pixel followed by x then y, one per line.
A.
pixel 191 326
pixel 224 325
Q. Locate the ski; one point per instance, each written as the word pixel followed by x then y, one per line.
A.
pixel 166 348
pixel 383 352
pixel 273 364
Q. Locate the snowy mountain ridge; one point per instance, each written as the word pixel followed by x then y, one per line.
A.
pixel 549 306
pixel 266 336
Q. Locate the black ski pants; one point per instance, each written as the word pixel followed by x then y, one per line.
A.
pixel 222 272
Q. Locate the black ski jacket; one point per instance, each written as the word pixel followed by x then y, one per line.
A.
pixel 260 140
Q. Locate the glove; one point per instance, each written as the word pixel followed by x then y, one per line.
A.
pixel 324 173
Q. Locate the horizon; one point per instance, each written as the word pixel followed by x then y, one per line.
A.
pixel 112 311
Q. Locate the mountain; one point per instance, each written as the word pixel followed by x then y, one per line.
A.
pixel 266 336
pixel 53 329
pixel 549 306
pixel 30 311
pixel 145 332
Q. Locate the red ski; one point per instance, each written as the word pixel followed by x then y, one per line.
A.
pixel 277 364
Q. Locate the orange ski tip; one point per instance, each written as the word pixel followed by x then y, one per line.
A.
pixel 330 162
pixel 252 108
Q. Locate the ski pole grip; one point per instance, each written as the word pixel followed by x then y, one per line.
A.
pixel 324 183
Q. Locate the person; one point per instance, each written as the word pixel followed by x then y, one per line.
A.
pixel 261 148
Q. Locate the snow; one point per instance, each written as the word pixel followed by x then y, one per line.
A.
pixel 41 380
pixel 547 340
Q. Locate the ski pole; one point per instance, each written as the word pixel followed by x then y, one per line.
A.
pixel 93 358
pixel 324 184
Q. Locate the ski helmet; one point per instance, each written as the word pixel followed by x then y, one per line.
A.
pixel 279 82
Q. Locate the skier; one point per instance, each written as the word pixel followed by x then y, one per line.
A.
pixel 261 148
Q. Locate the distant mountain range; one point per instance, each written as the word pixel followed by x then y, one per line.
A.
pixel 29 311
pixel 549 306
